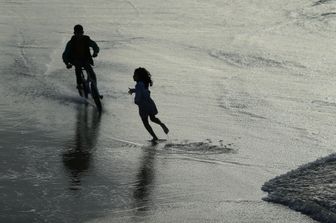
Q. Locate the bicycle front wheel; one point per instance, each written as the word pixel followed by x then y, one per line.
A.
pixel 96 97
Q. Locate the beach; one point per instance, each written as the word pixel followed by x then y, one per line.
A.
pixel 246 89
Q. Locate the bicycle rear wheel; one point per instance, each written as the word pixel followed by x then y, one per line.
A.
pixel 96 97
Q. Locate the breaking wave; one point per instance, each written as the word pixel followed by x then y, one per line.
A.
pixel 310 189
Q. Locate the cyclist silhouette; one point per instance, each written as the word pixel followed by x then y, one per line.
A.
pixel 77 53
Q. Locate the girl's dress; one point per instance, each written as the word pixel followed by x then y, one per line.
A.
pixel 142 98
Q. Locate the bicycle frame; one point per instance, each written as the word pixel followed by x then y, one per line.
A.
pixel 90 87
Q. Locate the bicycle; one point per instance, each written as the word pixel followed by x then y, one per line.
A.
pixel 88 86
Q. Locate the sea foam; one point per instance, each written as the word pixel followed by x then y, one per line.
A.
pixel 310 189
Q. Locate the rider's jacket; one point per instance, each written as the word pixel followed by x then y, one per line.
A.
pixel 77 50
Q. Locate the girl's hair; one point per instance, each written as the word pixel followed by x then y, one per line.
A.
pixel 144 76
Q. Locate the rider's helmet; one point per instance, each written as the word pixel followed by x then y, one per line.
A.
pixel 78 29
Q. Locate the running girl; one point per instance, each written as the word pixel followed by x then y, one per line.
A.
pixel 147 107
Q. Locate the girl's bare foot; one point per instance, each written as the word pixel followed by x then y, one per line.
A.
pixel 154 139
pixel 165 129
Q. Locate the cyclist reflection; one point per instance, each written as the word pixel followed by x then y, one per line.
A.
pixel 77 157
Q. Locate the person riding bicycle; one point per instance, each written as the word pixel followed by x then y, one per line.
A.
pixel 77 53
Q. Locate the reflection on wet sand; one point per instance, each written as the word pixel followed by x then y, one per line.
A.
pixel 145 181
pixel 77 155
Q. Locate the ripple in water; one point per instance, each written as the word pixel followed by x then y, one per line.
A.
pixel 242 60
pixel 200 148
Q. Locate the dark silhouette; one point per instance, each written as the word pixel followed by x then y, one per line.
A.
pixel 77 53
pixel 147 107
pixel 145 179
pixel 77 157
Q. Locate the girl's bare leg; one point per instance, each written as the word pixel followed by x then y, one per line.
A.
pixel 148 127
pixel 157 121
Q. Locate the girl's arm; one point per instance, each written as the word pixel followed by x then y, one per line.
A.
pixel 66 54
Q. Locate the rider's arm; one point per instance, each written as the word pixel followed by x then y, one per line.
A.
pixel 66 53
pixel 94 46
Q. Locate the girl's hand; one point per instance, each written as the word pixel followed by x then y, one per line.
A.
pixel 131 90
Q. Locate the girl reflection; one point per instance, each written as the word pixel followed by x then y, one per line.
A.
pixel 145 180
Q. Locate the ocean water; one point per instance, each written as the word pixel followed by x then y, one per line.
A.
pixel 245 87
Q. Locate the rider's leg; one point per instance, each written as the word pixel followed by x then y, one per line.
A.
pixel 78 71
pixel 90 72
